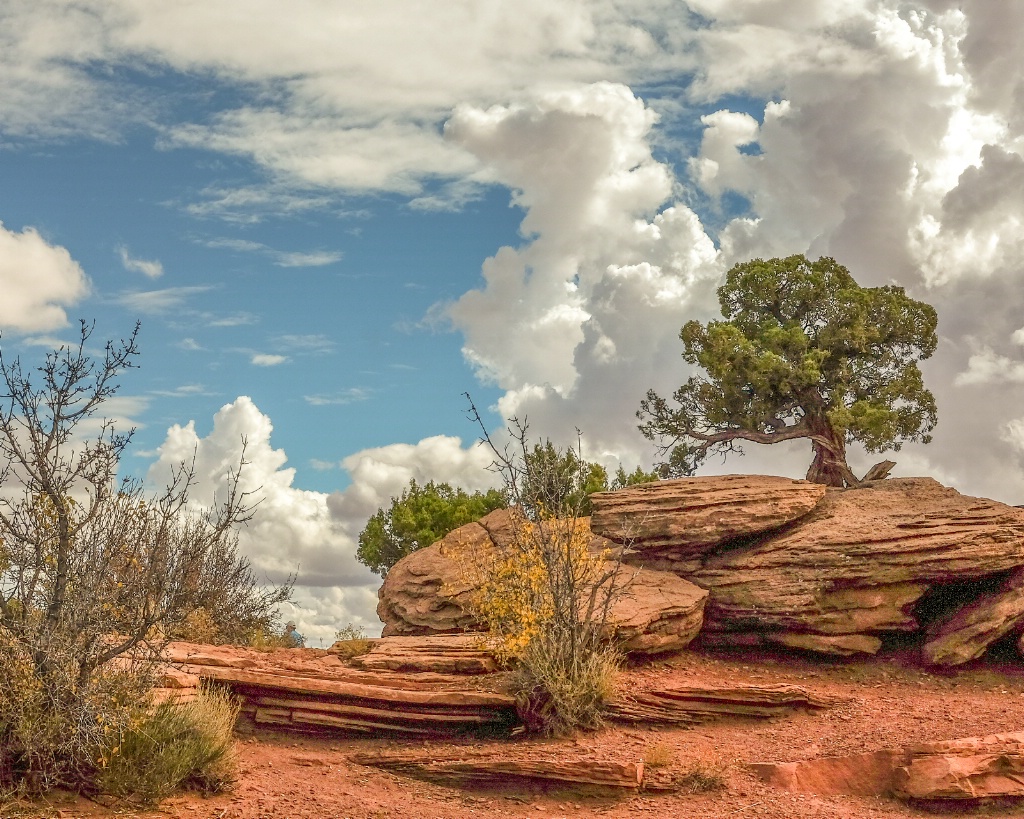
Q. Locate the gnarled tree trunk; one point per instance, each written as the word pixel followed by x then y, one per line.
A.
pixel 829 466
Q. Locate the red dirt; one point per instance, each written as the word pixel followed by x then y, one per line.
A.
pixel 887 704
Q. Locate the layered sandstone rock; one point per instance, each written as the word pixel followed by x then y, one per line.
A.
pixel 678 520
pixel 439 654
pixel 975 626
pixel 964 769
pixel 428 592
pixel 694 704
pixel 857 563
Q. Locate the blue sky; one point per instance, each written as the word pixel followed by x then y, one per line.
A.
pixel 331 225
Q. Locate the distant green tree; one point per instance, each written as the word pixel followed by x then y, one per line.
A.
pixel 421 516
pixel 564 474
pixel 804 352
pixel 551 472
pixel 637 476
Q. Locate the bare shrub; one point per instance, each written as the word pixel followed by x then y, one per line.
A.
pixel 545 595
pixel 96 573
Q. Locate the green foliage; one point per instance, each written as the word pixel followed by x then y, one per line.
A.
pixel 559 476
pixel 350 632
pixel 803 352
pixel 635 478
pixel 176 746
pixel 420 517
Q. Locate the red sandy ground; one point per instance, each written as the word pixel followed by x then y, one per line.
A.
pixel 887 704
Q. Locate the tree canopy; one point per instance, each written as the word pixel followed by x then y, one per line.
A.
pixel 419 517
pixel 424 514
pixel 803 352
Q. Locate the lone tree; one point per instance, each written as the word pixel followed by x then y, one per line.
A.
pixel 803 352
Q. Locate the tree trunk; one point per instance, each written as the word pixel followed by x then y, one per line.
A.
pixel 829 466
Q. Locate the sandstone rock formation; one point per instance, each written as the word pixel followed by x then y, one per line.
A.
pixel 445 654
pixel 856 564
pixel 501 772
pixel 427 592
pixel 665 523
pixel 975 626
pixel 787 564
pixel 693 704
pixel 311 690
pixel 964 770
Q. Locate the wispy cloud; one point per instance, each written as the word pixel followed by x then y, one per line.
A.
pixel 233 320
pixel 189 344
pixel 150 268
pixel 268 360
pixel 315 259
pixel 160 301
pixel 317 344
pixel 184 391
pixel 323 466
pixel 349 396
pixel 281 258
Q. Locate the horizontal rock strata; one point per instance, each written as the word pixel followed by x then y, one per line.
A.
pixel 961 770
pixel 680 706
pixel 859 561
pixel 975 626
pixel 679 519
pixel 964 769
pixel 502 772
pixel 441 654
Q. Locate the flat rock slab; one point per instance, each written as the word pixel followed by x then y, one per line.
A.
pixel 870 774
pixel 959 770
pixel 859 561
pixel 675 706
pixel 964 769
pixel 489 771
pixel 441 654
pixel 685 517
pixel 309 690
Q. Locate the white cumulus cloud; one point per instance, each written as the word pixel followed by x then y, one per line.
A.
pixel 38 282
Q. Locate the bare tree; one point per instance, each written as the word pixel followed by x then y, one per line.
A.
pixel 92 566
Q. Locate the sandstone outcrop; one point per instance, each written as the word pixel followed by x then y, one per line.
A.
pixel 478 769
pixel 682 706
pixel 786 563
pixel 856 564
pixel 311 690
pixel 670 522
pixel 428 591
pixel 440 654
pixel 963 769
pixel 974 627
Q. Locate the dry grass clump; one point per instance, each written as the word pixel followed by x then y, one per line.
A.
pixel 659 755
pixel 702 775
pixel 187 745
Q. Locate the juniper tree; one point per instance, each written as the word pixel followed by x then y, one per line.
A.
pixel 803 352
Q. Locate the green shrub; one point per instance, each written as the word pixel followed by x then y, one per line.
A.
pixel 177 745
